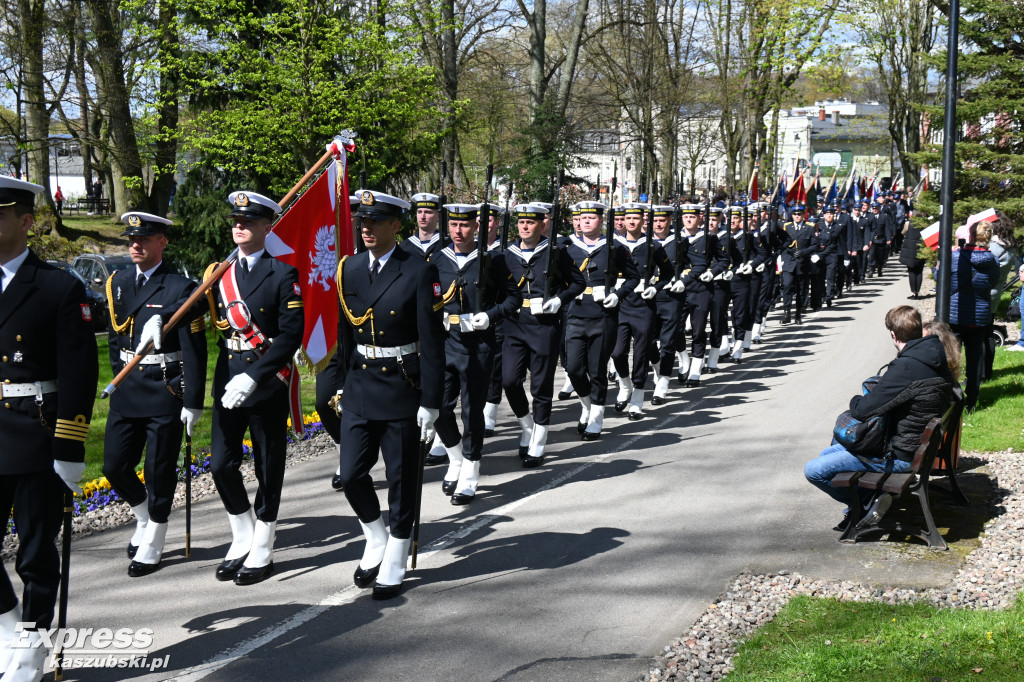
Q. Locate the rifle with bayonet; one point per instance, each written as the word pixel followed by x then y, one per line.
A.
pixel 611 273
pixel 483 232
pixel 506 218
pixel 556 224
pixel 677 230
pixel 442 226
pixel 649 240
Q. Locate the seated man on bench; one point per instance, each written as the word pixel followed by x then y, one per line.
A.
pixel 914 388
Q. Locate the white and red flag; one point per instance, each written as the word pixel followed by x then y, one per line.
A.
pixel 310 235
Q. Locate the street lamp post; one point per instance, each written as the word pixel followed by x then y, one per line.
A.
pixel 943 285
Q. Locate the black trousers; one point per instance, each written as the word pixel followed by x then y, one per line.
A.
pixel 794 286
pixel 667 325
pixel 469 363
pixel 877 257
pixel 636 327
pixel 325 390
pixel 817 282
pixel 974 340
pixel 534 347
pixel 915 273
pixel 862 265
pixel 362 442
pixel 768 292
pixel 588 345
pixel 833 275
pixel 494 388
pixel 742 317
pixel 697 306
pixel 123 443
pixel 37 502
pixel 267 422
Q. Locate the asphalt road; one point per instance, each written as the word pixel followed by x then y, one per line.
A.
pixel 582 569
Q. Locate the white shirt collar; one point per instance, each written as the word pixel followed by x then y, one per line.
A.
pixel 10 268
pixel 383 259
pixel 149 273
pixel 250 261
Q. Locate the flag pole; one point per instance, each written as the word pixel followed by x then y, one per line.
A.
pixel 207 284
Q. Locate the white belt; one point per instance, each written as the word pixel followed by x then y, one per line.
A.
pixel 238 344
pixel 35 389
pixel 374 352
pixel 152 358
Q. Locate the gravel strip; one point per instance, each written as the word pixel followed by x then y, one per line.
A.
pixel 990 578
pixel 120 513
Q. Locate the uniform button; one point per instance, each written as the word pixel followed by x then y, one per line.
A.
pixel 231 357
pixel 360 331
pixel 248 359
pixel 220 305
pixel 380 333
pixel 7 381
pixel 5 358
pixel 384 369
pixel 18 337
pixel 7 405
pixel 364 366
pixel 262 310
pixel 392 312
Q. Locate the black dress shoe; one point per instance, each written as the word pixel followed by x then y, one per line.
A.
pixel 658 400
pixel 523 449
pixel 251 576
pixel 448 487
pixel 228 568
pixel 132 549
pixel 692 383
pixel 681 378
pixel 564 395
pixel 798 320
pixel 433 460
pixel 382 592
pixel 619 407
pixel 458 499
pixel 137 569
pixel 612 376
pixel 532 462
pixel 488 433
pixel 581 427
pixel 711 370
pixel 336 482
pixel 787 319
pixel 636 416
pixel 828 304
pixel 364 579
pixel 591 436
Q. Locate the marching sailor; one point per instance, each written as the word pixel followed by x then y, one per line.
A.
pixel 152 406
pixel 391 368
pixel 48 374
pixel 668 303
pixel 548 281
pixel 426 240
pixel 257 306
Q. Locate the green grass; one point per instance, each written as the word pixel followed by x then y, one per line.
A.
pixel 201 435
pixel 817 639
pixel 998 423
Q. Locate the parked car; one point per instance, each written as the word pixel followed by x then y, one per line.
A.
pixel 97 300
pixel 96 268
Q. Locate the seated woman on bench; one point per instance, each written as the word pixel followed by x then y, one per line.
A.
pixel 914 388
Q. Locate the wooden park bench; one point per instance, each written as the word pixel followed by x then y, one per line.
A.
pixel 936 455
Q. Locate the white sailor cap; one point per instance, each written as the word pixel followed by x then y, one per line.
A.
pixel 462 211
pixel 663 210
pixel 426 200
pixel 591 207
pixel 690 209
pixel 253 205
pixel 14 191
pixel 716 210
pixel 378 205
pixel 353 199
pixel 532 211
pixel 545 204
pixel 143 224
pixel 635 208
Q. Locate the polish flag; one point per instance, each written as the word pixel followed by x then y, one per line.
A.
pixel 930 235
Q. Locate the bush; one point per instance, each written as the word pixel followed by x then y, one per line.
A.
pixel 204 231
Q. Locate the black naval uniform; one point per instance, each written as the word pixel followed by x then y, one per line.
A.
pixel 145 411
pixel 831 238
pixel 46 335
pixel 271 292
pixel 772 237
pixel 637 317
pixel 729 256
pixel 668 310
pixel 590 327
pixel 705 256
pixel 881 232
pixel 532 339
pixel 495 386
pixel 469 355
pixel 796 253
pixel 745 287
pixel 390 363
pixel 860 236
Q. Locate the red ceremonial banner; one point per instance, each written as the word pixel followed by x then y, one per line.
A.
pixel 309 236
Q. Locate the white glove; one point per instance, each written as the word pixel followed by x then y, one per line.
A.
pixel 677 286
pixel 552 305
pixel 70 473
pixel 480 321
pixel 706 276
pixel 649 293
pixel 611 300
pixel 153 331
pixel 846 262
pixel 748 268
pixel 425 418
pixel 189 417
pixel 760 268
pixel 639 288
pixel 237 390
pixel 815 258
pixel 728 275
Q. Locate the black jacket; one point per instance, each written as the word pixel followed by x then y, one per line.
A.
pixel 915 388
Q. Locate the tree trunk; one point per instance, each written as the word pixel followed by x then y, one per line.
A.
pixel 167 111
pixel 537 21
pixel 37 123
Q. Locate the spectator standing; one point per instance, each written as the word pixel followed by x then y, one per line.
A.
pixel 58 198
pixel 910 257
pixel 975 271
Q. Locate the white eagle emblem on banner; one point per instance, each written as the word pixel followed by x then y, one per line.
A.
pixel 322 259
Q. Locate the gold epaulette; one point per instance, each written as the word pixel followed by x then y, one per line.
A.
pixel 119 327
pixel 214 318
pixel 295 304
pixel 75 430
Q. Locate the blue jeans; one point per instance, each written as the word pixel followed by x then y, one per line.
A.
pixel 835 459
